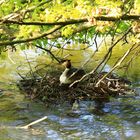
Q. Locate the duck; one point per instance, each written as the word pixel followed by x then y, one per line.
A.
pixel 70 74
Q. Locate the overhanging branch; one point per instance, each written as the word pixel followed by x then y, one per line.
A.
pixel 21 13
pixel 104 58
pixel 30 39
pixel 73 21
pixel 48 51
pixel 117 64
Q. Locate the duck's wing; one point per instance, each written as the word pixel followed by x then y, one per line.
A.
pixel 75 73
pixel 71 72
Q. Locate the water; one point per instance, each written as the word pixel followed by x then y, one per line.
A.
pixel 118 119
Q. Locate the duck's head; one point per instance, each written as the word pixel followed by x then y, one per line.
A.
pixel 66 63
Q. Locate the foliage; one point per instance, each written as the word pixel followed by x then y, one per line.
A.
pixel 33 21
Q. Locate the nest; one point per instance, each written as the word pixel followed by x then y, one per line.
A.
pixel 47 88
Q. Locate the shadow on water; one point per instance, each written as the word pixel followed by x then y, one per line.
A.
pixel 116 119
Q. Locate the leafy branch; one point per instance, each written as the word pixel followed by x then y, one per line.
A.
pixel 73 21
pixel 31 39
pixel 68 22
pixel 20 14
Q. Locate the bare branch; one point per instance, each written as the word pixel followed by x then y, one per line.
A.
pixel 53 56
pixel 95 40
pixel 33 123
pixel 136 53
pixel 110 49
pixel 105 57
pixel 31 70
pixel 117 65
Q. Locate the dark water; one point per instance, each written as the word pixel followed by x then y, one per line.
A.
pixel 118 119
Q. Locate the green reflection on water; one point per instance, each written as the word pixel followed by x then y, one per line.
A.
pixel 15 110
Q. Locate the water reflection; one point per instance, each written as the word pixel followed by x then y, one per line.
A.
pixel 118 118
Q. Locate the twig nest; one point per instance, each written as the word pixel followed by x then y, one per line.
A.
pixel 48 89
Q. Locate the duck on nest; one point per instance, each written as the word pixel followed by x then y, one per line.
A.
pixel 70 74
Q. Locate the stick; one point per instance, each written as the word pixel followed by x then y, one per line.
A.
pixel 33 123
pixel 105 57
pixel 117 65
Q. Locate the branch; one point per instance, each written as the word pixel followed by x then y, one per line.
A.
pixel 110 50
pixel 134 56
pixel 33 123
pixel 31 70
pixel 49 53
pixel 105 57
pixel 74 21
pixel 48 35
pixel 117 65
pixel 116 18
pixel 21 13
pixel 31 39
pixel 2 1
pixel 40 4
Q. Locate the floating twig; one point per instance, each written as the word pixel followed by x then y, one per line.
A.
pixel 33 123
